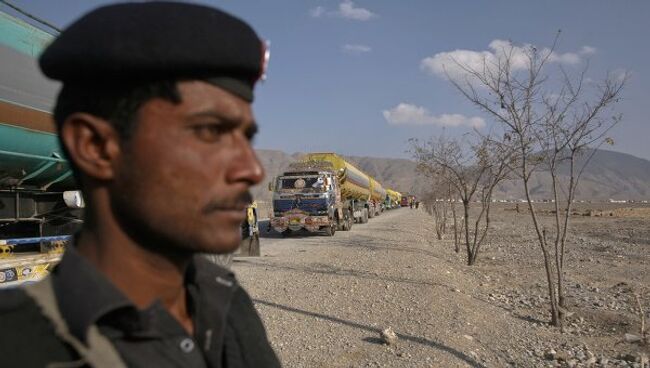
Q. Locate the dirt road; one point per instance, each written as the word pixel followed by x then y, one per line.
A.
pixel 325 301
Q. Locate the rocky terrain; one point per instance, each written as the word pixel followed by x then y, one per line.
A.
pixel 328 301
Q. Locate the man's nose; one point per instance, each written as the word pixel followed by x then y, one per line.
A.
pixel 246 166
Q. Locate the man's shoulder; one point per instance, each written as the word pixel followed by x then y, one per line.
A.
pixel 19 312
pixel 13 300
pixel 24 330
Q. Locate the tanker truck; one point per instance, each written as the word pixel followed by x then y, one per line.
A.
pixel 323 192
pixel 39 204
pixel 393 199
pixel 37 188
pixel 377 198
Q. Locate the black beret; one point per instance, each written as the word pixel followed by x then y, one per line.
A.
pixel 131 42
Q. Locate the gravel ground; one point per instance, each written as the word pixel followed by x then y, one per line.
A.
pixel 326 300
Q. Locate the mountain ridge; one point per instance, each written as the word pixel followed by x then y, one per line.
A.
pixel 609 175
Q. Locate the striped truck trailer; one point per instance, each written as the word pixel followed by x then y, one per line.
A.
pixel 39 204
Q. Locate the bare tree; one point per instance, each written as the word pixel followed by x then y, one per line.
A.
pixel 436 203
pixel 552 124
pixel 454 216
pixel 473 172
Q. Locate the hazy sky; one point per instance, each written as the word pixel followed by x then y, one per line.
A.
pixel 361 77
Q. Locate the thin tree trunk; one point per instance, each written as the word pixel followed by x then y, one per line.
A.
pixel 555 320
pixel 558 231
pixel 565 228
pixel 466 219
pixel 486 228
pixel 453 211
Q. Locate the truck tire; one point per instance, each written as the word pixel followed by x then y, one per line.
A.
pixel 330 230
pixel 371 212
pixel 349 220
pixel 364 216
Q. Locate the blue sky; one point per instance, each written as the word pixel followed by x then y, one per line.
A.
pixel 340 69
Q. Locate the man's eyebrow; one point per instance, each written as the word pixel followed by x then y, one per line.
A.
pixel 209 114
pixel 252 130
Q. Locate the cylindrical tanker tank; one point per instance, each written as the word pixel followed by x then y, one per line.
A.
pixel 32 159
pixel 30 156
pixel 354 183
pixel 377 192
pixel 393 195
pixel 36 182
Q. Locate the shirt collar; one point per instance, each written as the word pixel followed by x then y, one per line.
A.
pixel 85 295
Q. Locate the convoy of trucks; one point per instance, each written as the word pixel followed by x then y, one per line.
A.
pixel 324 192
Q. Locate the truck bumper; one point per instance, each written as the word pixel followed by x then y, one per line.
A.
pixel 297 222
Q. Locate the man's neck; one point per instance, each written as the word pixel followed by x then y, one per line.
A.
pixel 142 275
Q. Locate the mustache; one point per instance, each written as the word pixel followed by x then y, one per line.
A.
pixel 239 202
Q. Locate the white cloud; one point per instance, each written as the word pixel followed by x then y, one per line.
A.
pixel 356 49
pixel 348 10
pixel 409 114
pixel 587 50
pixel 317 12
pixel 451 62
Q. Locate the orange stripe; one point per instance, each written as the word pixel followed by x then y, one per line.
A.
pixel 26 117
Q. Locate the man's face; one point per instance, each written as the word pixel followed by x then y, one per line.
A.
pixel 184 175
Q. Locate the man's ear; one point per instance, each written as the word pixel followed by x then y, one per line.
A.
pixel 92 144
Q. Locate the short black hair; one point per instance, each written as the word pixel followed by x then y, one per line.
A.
pixel 116 103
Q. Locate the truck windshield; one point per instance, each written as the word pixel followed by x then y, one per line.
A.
pixel 305 184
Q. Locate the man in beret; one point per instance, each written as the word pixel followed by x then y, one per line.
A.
pixel 155 117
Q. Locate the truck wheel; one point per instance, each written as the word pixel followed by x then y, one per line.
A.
pixel 349 220
pixel 330 230
pixel 371 213
pixel 364 216
pixel 285 233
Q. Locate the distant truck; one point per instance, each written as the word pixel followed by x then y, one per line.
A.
pixel 393 199
pixel 406 200
pixel 324 192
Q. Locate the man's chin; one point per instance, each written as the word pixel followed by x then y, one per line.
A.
pixel 223 246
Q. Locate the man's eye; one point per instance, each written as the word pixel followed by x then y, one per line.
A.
pixel 209 132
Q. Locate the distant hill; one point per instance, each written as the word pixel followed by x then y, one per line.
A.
pixel 609 175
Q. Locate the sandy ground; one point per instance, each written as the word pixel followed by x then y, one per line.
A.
pixel 325 300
